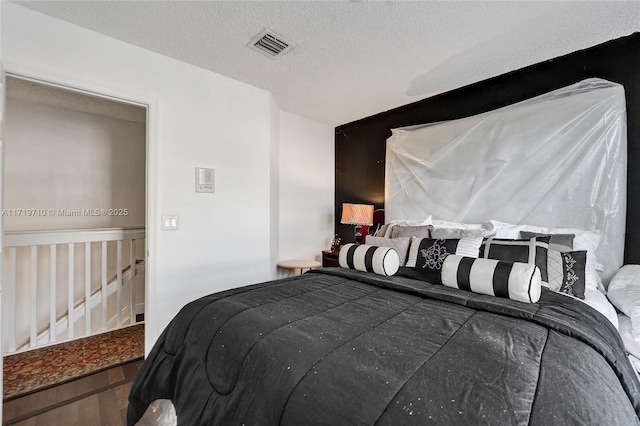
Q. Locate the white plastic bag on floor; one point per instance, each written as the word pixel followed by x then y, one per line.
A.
pixel 161 412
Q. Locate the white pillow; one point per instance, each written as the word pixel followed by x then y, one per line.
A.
pixel 600 303
pixel 584 240
pixel 450 233
pixel 437 223
pixel 624 293
pixel 631 344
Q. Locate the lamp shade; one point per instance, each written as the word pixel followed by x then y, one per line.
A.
pixel 357 214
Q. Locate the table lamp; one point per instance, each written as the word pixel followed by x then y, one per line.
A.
pixel 358 215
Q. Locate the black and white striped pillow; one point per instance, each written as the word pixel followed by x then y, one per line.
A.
pixel 513 280
pixel 362 257
pixel 401 245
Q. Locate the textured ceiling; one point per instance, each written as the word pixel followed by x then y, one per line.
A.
pixel 353 59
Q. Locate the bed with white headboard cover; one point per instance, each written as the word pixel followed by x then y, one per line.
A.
pixel 362 344
pixel 557 161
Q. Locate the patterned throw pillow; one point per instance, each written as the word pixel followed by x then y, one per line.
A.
pixel 401 245
pixel 513 280
pixel 566 272
pixel 427 255
pixel 532 251
pixel 363 257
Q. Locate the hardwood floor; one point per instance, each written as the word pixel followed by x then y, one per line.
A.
pixel 98 399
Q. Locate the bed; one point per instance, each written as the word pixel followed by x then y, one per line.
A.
pixel 398 336
pixel 338 346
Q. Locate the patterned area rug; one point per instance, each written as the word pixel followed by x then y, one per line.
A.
pixel 41 368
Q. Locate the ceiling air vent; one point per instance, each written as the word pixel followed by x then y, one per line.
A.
pixel 270 44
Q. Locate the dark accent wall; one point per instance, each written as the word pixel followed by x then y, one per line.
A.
pixel 360 145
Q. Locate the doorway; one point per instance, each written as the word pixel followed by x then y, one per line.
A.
pixel 75 173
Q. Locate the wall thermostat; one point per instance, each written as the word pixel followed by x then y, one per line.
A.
pixel 205 180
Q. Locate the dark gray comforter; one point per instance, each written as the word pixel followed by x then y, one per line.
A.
pixel 341 347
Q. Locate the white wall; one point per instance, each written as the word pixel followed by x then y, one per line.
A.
pixel 197 119
pixel 58 159
pixel 202 120
pixel 306 187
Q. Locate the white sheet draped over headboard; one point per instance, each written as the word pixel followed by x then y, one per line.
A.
pixel 556 160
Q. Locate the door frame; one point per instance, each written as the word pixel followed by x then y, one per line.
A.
pixel 92 88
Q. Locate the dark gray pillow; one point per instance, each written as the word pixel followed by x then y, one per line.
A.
pixel 381 231
pixel 411 231
pixel 559 242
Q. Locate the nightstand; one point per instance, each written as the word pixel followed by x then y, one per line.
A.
pixel 330 258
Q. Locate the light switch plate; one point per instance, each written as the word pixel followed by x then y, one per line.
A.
pixel 205 180
pixel 169 223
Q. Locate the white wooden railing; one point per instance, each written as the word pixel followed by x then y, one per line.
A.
pixel 53 280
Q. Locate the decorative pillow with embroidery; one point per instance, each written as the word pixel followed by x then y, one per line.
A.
pixel 566 272
pixel 426 255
